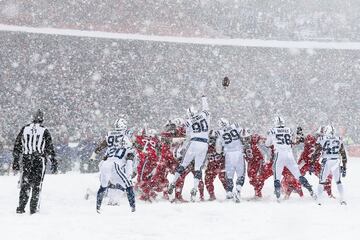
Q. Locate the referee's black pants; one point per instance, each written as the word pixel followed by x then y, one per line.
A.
pixel 32 177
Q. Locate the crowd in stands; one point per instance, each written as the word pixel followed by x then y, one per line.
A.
pixel 276 19
pixel 83 84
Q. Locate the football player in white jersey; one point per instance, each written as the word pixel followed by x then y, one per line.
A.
pixel 231 141
pixel 197 135
pixel 331 148
pixel 116 169
pixel 281 138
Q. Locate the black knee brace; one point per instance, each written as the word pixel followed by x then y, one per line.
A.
pixel 277 184
pixel 197 174
pixel 230 184
pixel 180 169
pixel 305 183
pixel 240 181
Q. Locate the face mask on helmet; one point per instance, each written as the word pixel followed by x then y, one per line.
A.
pixel 120 124
pixel 279 122
pixel 223 122
pixel 329 130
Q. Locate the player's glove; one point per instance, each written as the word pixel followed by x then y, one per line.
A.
pixel 16 166
pixel 343 171
pixel 93 156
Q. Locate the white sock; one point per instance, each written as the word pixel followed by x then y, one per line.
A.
pixel 177 175
pixel 320 191
pixel 196 183
pixel 341 191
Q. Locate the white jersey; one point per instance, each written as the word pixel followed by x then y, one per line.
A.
pixel 280 138
pixel 197 127
pixel 33 138
pixel 114 138
pixel 330 146
pixel 230 138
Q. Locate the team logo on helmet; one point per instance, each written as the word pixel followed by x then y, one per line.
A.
pixel 279 121
pixel 120 124
pixel 223 122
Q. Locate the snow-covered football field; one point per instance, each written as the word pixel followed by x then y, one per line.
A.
pixel 65 214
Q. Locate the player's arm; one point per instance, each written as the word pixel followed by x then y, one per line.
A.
pixel 218 143
pixel 205 105
pixel 268 141
pixel 17 150
pixel 299 136
pixel 50 151
pixel 316 153
pixel 343 158
pixel 98 149
pixel 247 147
pixel 130 157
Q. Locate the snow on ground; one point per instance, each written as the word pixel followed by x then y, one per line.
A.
pixel 65 214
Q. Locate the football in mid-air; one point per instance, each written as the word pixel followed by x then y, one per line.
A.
pixel 226 82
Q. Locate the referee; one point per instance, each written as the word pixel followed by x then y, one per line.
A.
pixel 35 146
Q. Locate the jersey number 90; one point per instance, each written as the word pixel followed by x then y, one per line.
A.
pixel 201 126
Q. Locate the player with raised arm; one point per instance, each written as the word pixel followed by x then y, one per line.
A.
pixel 231 140
pixel 281 138
pixel 197 133
pixel 116 169
pixel 331 148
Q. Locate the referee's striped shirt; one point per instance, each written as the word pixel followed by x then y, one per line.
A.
pixel 34 138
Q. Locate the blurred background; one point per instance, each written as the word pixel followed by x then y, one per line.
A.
pixel 84 84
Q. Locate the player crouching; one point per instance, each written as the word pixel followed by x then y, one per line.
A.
pixel 117 167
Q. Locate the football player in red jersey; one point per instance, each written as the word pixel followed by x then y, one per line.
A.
pixel 215 167
pixel 147 145
pixel 290 184
pixel 258 171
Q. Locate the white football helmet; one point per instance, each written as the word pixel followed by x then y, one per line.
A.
pixel 151 133
pixel 223 122
pixel 329 130
pixel 320 131
pixel 279 121
pixel 191 111
pixel 120 124
pixel 246 132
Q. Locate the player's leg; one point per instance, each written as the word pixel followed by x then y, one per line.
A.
pixel 230 172
pixel 37 177
pixel 324 172
pixel 188 157
pixel 106 171
pixel 180 184
pixel 199 162
pixel 122 181
pixel 222 174
pixel 278 166
pixel 24 184
pixel 294 169
pixel 210 175
pixel 240 172
pixel 337 177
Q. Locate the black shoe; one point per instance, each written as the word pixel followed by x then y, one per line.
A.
pixel 32 211
pixel 171 188
pixel 133 209
pixel 20 210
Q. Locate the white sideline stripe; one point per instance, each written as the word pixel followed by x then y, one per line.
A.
pixel 185 40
